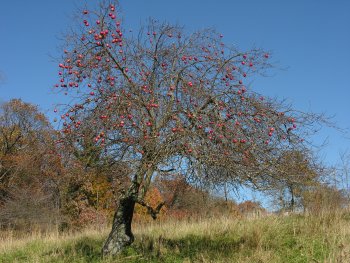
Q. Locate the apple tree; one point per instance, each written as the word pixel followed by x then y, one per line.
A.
pixel 165 100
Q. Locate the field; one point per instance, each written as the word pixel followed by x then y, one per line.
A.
pixel 295 238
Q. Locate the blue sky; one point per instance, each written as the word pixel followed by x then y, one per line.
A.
pixel 310 40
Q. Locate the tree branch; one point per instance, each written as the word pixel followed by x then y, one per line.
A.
pixel 153 212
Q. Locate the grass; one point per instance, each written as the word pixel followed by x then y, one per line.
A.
pixel 297 238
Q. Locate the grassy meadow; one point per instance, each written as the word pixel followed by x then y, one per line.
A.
pixel 295 238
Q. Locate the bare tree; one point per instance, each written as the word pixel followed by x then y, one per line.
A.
pixel 343 171
pixel 164 100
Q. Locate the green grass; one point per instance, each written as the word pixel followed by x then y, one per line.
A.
pixel 294 238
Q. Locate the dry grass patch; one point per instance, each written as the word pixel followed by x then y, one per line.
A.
pixel 296 238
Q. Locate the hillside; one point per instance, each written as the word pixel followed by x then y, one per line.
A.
pixel 296 238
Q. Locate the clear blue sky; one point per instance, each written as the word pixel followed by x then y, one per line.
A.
pixel 309 37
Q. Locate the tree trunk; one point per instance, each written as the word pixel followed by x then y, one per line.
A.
pixel 292 202
pixel 121 235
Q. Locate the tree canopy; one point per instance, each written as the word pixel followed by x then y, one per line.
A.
pixel 163 100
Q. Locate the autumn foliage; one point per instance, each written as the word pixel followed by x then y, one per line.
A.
pixel 43 186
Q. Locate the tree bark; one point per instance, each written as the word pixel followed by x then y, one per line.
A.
pixel 292 202
pixel 121 235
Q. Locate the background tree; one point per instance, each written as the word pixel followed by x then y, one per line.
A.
pixel 296 173
pixel 26 162
pixel 324 198
pixel 251 208
pixel 183 199
pixel 22 130
pixel 164 100
pixel 92 179
pixel 343 171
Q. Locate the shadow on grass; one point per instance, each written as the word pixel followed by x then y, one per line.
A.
pixel 190 247
pixel 148 249
pixel 82 250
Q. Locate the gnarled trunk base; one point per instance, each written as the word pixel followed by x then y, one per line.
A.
pixel 121 235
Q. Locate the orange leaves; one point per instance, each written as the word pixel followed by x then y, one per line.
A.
pixel 153 198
